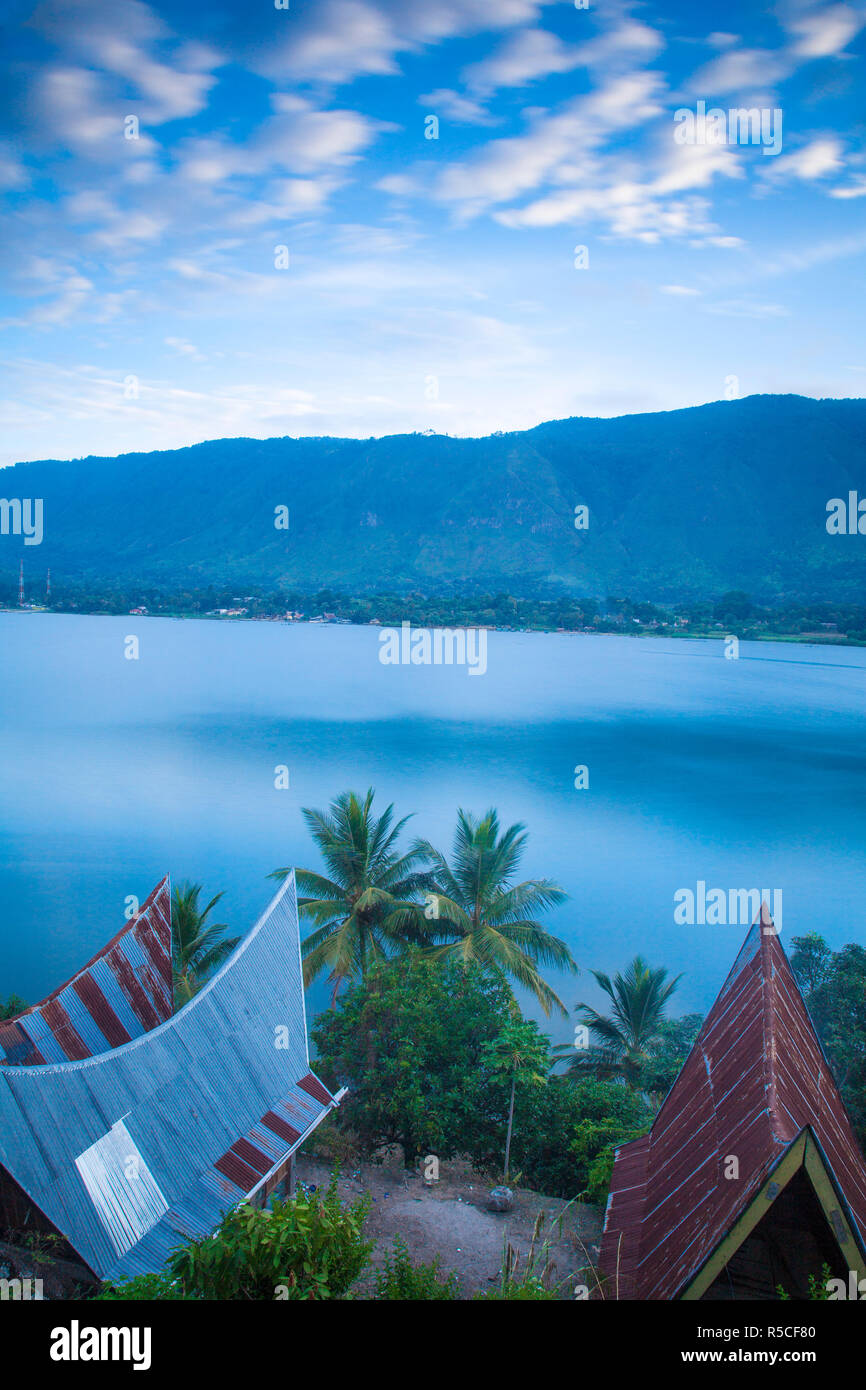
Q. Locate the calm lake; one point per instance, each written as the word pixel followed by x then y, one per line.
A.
pixel 740 774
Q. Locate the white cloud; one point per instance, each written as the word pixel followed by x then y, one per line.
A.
pixel 825 31
pixel 857 189
pixel 623 44
pixel 813 161
pixel 451 105
pixel 741 70
pixel 283 198
pixel 522 58
pixel 746 309
pixel 681 290
pixel 559 144
pixel 185 348
pixel 13 174
pixel 338 40
pixel 644 206
pixel 109 69
pixel 298 138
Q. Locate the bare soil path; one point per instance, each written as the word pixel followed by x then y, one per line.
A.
pixel 450 1220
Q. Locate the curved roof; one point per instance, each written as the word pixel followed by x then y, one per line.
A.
pixel 121 993
pixel 756 1078
pixel 132 1152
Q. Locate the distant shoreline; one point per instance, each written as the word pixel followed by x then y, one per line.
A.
pixel 800 639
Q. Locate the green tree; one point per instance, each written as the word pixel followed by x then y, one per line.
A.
pixel 620 1041
pixel 734 604
pixel 198 947
pixel 667 1052
pixel 561 1133
pixel 482 915
pixel 837 1005
pixel 811 960
pixel 408 1043
pixel 363 911
pixel 523 1055
pixel 12 1007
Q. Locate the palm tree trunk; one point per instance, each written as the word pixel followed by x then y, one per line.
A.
pixel 510 1123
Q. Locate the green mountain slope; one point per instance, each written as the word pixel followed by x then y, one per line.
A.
pixel 682 503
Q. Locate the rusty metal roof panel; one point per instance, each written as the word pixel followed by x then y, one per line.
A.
pixel 189 1103
pixel 122 992
pixel 755 1078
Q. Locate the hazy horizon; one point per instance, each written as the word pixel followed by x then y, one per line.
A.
pixel 369 217
pixel 394 434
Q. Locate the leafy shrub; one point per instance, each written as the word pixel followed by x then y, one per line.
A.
pixel 562 1129
pixel 331 1144
pixel 308 1247
pixel 819 1291
pixel 400 1279
pixel 144 1287
pixel 407 1042
pixel 527 1287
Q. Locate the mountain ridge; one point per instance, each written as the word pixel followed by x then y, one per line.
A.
pixel 682 503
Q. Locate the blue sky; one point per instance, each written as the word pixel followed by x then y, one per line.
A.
pixel 431 283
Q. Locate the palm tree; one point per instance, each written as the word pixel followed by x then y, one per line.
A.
pixel 521 1052
pixel 621 1039
pixel 364 910
pixel 483 916
pixel 198 947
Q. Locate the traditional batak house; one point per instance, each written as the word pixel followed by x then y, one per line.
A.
pixel 751 1177
pixel 124 991
pixel 128 1129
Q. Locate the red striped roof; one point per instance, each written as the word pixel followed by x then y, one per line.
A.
pixel 123 991
pixel 755 1078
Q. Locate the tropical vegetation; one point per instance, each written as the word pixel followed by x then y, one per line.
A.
pixel 199 947
pixel 309 1247
pixel 355 909
pixel 834 988
pixel 377 900
pixel 620 1041
pixel 12 1006
pixel 483 915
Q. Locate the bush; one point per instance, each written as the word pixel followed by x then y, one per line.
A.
pixel 407 1042
pixel 400 1279
pixel 511 1289
pixel 308 1247
pixel 562 1129
pixel 143 1288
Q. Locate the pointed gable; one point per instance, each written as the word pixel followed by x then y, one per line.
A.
pixel 130 1152
pixel 122 992
pixel 756 1087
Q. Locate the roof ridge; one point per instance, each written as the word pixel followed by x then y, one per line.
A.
pixel 767 929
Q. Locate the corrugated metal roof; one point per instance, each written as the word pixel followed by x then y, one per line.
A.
pixel 208 1083
pixel 118 995
pixel 755 1078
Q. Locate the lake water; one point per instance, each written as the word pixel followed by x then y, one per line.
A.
pixel 746 773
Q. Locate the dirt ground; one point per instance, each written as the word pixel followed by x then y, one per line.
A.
pixel 450 1219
